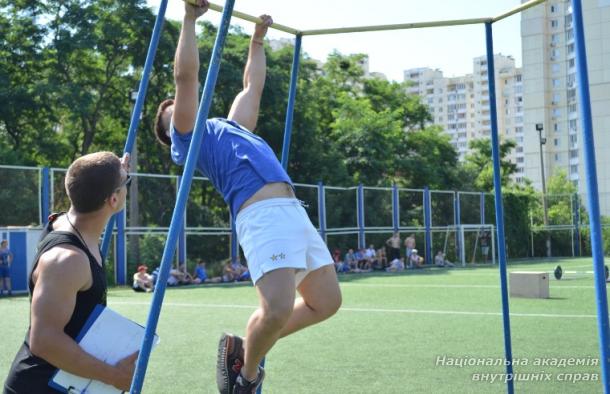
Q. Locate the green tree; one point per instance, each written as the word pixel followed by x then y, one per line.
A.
pixel 479 164
pixel 428 159
pixel 26 113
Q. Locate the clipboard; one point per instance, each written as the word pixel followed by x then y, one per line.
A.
pixel 103 327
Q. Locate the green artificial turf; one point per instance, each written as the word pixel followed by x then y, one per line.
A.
pixel 429 331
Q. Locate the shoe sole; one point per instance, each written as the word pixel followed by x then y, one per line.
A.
pixel 222 371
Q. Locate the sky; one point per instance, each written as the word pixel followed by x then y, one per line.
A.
pixel 450 49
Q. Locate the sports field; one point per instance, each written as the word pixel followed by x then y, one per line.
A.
pixel 430 331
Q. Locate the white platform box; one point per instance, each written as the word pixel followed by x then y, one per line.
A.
pixel 529 284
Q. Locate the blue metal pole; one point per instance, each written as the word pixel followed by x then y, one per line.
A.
pixel 182 235
pixel 185 186
pixel 482 209
pixel 291 97
pixel 322 210
pixel 576 224
pixel 428 224
pixel 495 151
pixel 360 216
pixel 120 264
pixel 46 196
pixel 395 208
pixel 592 192
pixel 107 236
pixel 137 109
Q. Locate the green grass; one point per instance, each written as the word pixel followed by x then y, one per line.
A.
pixel 385 339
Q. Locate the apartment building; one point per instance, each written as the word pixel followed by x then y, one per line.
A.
pixel 550 91
pixel 460 105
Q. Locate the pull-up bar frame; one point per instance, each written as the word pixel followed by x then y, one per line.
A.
pixel 585 109
pixel 360 29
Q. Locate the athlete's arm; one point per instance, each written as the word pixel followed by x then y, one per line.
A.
pixel 186 70
pixel 245 107
pixel 60 274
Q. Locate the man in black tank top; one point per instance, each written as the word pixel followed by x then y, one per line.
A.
pixel 68 280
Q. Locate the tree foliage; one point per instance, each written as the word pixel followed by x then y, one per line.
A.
pixel 68 68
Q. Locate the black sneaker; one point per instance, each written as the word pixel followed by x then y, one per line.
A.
pixel 229 362
pixel 244 387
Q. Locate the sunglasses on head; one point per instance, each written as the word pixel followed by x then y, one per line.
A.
pixel 125 183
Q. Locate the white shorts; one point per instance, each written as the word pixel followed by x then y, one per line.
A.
pixel 277 233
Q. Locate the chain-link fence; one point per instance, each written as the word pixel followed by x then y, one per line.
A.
pixel 535 227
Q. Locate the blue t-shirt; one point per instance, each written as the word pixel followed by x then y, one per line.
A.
pixel 4 257
pixel 237 162
pixel 201 273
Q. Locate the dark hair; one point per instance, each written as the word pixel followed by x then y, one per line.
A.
pixel 91 179
pixel 160 129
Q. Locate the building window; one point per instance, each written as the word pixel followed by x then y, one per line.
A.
pixel 555 38
pixel 570 48
pixel 553 8
pixel 573 169
pixel 556 142
pixel 572 123
pixel 573 154
pixel 556 127
pixel 556 68
pixel 571 63
pixel 572 108
pixel 556 83
pixel 571 94
pixel 554 23
pixel 556 98
pixel 556 156
pixel 555 54
pixel 556 112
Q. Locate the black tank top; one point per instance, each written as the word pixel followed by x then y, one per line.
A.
pixel 31 374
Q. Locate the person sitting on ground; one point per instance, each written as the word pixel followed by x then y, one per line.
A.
pixel 337 256
pixel 361 260
pixel 381 258
pixel 201 274
pixel 440 261
pixel 243 274
pixel 188 278
pixel 371 257
pixel 142 281
pixel 415 261
pixel 178 277
pixel 342 267
pixel 235 272
pixel 350 260
pixel 228 274
pixel 396 265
